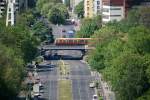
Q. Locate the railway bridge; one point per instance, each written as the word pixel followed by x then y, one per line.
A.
pixel 80 44
pixel 66 47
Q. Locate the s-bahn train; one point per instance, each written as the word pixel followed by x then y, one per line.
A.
pixel 72 41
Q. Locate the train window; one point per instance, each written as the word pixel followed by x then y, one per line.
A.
pixel 76 41
pixel 82 41
pixel 63 41
pixel 70 41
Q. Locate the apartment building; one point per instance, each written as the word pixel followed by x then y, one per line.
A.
pixel 97 7
pixel 18 5
pixel 88 8
pixel 2 7
pixel 113 10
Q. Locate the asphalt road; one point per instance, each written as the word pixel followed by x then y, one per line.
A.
pixel 81 77
pixel 49 80
pixel 80 74
pixel 57 30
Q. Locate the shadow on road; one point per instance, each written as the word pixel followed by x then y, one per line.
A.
pixel 42 68
pixel 64 57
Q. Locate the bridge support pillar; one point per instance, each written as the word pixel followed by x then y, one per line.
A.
pixel 83 53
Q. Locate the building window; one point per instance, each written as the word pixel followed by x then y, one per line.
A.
pixel 105 10
pixel 98 7
pixel 87 14
pixel 88 8
pixel 98 2
pixel 9 16
pixel 87 2
pixel 105 16
pixel 115 8
pixel 9 9
pixel 115 15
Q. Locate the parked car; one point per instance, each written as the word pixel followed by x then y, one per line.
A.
pixel 95 97
pixel 63 30
pixel 92 85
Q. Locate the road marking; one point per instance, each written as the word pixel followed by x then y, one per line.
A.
pixel 49 86
pixel 78 82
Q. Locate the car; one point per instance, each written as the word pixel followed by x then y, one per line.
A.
pixel 92 85
pixel 63 30
pixel 95 97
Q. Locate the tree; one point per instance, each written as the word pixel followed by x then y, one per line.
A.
pixel 89 26
pixel 45 9
pixel 54 10
pixel 139 37
pixel 11 73
pixel 55 16
pixel 40 3
pixel 79 9
pixel 130 78
pixel 18 46
pixel 139 16
pixel 42 31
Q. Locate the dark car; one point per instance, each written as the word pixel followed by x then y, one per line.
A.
pixel 63 30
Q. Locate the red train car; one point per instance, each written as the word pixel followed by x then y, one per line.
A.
pixel 72 41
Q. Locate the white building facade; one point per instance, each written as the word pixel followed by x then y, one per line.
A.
pixel 113 10
pixel 97 7
pixel 111 13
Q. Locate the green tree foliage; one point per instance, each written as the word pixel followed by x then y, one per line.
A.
pixel 54 10
pixel 42 31
pixel 45 8
pixel 129 76
pixel 18 46
pixel 122 54
pixel 139 16
pixel 139 37
pixel 145 96
pixel 40 3
pixel 89 26
pixel 55 16
pixel 79 9
pixel 58 14
pixel 11 73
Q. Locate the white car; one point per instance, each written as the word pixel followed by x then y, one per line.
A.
pixel 92 85
pixel 95 97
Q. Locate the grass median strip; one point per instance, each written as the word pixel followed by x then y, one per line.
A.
pixel 65 90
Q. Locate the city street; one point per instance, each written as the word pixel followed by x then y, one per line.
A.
pixel 49 80
pixel 80 77
pixel 80 74
pixel 57 30
pixel 74 49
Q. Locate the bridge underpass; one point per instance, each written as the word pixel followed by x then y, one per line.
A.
pixel 66 47
pixel 53 51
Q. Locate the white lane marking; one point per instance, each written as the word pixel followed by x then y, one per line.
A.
pixel 79 88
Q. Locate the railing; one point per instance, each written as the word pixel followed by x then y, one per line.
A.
pixel 55 47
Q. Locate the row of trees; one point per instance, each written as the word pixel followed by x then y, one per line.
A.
pixel 88 26
pixel 18 46
pixel 79 9
pixel 122 54
pixel 54 10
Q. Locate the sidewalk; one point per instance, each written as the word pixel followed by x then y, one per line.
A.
pixel 104 89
